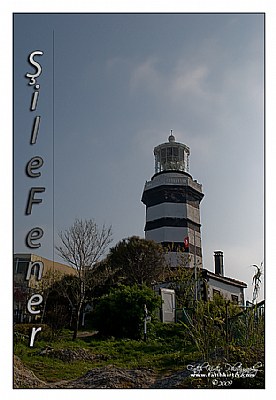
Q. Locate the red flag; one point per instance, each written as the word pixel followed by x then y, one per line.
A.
pixel 186 242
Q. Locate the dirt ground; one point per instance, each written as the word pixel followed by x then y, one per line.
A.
pixel 109 377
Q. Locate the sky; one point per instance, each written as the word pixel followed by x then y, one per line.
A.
pixel 112 87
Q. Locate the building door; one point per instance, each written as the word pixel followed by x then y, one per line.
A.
pixel 168 305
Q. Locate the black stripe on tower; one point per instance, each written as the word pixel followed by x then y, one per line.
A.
pixel 179 246
pixel 172 222
pixel 172 194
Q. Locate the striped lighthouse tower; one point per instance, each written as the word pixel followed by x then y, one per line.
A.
pixel 172 200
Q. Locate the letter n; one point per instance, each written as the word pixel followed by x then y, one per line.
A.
pixel 31 267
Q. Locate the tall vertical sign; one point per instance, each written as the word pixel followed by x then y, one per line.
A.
pixel 33 171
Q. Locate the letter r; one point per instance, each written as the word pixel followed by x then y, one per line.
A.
pixel 34 332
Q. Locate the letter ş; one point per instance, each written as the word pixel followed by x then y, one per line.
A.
pixel 34 63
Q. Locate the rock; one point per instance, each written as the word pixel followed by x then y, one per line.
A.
pixel 24 378
pixel 175 381
pixel 69 355
pixel 109 377
pixel 112 377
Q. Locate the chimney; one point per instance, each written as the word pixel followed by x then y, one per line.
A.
pixel 219 263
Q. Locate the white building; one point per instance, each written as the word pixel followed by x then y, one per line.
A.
pixel 216 283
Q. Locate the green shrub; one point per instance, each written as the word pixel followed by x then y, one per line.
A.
pixel 169 331
pixel 207 325
pixel 121 312
pixel 22 332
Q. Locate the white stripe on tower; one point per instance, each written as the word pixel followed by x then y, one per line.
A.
pixel 173 210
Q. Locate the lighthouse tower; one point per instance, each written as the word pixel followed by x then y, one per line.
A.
pixel 172 200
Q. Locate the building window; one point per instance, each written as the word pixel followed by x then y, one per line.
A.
pixel 234 298
pixel 216 292
pixel 20 267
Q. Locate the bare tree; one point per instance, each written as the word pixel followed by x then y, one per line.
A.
pixel 82 246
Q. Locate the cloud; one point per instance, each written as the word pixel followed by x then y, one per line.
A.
pixel 187 93
pixel 186 81
pixel 182 79
pixel 211 78
pixel 146 76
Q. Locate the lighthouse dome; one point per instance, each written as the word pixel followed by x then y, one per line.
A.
pixel 171 138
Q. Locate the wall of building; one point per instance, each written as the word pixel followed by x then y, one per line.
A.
pixel 225 289
pixel 24 288
pixel 21 265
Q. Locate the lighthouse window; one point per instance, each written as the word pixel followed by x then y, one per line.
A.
pixel 175 151
pixel 169 154
pixel 163 156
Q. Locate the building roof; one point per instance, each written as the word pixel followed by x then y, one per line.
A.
pixel 224 279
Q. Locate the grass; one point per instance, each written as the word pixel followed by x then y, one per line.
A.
pixel 167 351
pixel 159 354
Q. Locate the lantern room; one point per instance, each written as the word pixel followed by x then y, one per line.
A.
pixel 171 156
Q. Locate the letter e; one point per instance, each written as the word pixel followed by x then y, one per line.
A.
pixel 34 163
pixel 32 302
pixel 34 234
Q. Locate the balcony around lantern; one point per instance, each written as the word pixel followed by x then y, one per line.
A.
pixel 173 177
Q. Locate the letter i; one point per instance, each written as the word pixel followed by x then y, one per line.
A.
pixel 35 98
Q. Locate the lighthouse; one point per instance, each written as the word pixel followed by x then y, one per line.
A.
pixel 172 199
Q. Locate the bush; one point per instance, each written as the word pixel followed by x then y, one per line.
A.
pixel 207 325
pixel 169 331
pixel 22 332
pixel 121 312
pixel 57 318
